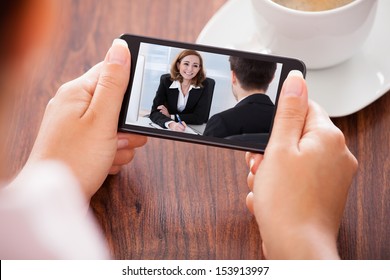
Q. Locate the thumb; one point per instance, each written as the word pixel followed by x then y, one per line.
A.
pixel 112 83
pixel 291 112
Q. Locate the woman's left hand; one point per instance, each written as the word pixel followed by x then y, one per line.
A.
pixel 79 127
pixel 164 110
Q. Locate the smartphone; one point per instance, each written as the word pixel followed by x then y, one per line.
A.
pixel 203 94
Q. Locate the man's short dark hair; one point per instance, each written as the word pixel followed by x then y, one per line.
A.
pixel 251 73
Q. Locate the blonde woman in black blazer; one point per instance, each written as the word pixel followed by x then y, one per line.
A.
pixel 185 92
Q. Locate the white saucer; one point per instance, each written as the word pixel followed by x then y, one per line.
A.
pixel 341 90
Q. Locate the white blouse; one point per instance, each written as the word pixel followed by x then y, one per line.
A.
pixel 182 100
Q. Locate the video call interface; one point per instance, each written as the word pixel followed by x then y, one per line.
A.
pixel 203 93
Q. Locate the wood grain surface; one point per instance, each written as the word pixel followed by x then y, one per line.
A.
pixel 186 201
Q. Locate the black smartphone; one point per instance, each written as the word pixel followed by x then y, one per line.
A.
pixel 202 94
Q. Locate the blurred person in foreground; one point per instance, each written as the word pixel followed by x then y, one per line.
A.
pixel 44 210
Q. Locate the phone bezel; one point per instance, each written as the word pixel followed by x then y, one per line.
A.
pixel 134 42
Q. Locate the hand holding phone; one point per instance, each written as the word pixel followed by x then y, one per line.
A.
pixel 84 109
pixel 299 187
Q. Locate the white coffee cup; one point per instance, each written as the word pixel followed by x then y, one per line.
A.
pixel 321 39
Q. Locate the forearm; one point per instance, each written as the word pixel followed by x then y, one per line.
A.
pixel 159 118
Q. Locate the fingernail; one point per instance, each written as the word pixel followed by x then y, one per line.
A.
pixel 293 85
pixel 118 53
pixel 251 163
pixel 122 143
pixel 295 73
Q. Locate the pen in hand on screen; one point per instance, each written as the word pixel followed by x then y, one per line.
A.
pixel 178 118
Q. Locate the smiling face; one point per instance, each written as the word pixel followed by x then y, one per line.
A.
pixel 189 67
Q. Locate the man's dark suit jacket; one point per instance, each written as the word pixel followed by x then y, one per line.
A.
pixel 251 115
pixel 198 105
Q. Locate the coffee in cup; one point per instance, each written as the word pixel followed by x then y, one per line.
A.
pixel 312 5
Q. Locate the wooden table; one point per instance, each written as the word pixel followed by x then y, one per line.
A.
pixel 185 201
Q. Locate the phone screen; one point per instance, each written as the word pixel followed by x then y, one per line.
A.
pixel 202 94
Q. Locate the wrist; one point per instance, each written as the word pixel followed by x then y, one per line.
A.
pixel 306 242
pixel 168 124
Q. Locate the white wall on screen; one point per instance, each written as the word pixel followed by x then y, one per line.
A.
pixel 135 97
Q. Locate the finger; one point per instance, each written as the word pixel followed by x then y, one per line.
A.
pixel 115 169
pixel 249 202
pixel 111 86
pixel 127 140
pixel 179 127
pixel 253 161
pixel 123 157
pixel 330 135
pixel 184 124
pixel 85 83
pixel 90 79
pixel 163 109
pixel 291 112
pixel 250 180
pixel 317 117
pixel 75 96
pixel 248 156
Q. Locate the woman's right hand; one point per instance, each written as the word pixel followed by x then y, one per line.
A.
pixel 300 186
pixel 80 125
pixel 177 126
pixel 164 110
